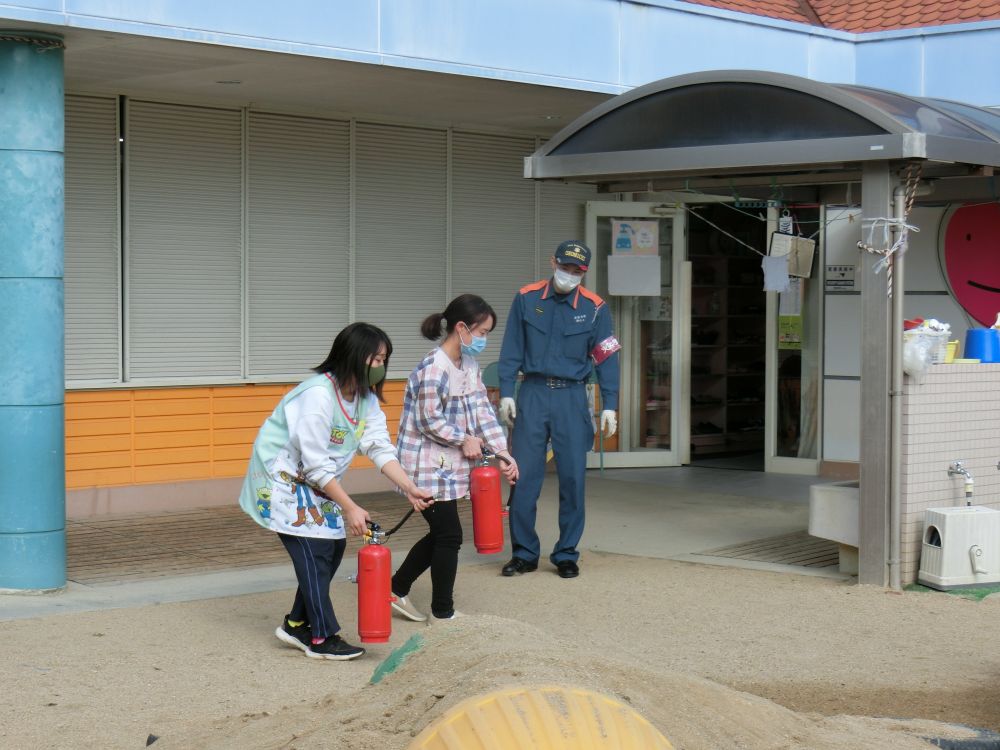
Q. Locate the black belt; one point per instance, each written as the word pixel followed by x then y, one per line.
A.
pixel 553 382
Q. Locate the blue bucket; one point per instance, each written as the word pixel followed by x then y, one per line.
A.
pixel 982 344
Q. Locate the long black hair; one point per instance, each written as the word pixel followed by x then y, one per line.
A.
pixel 465 308
pixel 349 355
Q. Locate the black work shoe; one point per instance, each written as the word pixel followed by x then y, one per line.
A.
pixel 299 636
pixel 334 647
pixel 567 569
pixel 517 566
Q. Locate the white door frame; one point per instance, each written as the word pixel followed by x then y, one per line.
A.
pixel 774 463
pixel 627 320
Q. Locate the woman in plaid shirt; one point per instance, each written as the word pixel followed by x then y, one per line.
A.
pixel 446 421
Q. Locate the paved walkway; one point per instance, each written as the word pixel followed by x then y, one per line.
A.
pixel 136 547
pixel 703 515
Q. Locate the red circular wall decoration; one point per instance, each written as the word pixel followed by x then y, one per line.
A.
pixel 971 260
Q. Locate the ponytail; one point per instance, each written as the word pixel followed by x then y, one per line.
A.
pixel 465 308
pixel 431 327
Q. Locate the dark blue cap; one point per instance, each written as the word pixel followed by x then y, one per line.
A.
pixel 573 252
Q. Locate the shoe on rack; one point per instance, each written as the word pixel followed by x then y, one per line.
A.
pixel 517 566
pixel 567 569
pixel 298 636
pixel 334 647
pixel 404 606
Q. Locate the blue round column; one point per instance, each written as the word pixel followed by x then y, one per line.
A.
pixel 32 387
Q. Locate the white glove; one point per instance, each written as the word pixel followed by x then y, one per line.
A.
pixel 609 422
pixel 508 411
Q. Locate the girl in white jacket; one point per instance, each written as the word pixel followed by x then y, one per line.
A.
pixel 292 486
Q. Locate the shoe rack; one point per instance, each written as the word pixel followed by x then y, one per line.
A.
pixel 728 328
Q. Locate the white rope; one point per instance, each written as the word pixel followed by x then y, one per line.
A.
pixel 720 229
pixel 899 246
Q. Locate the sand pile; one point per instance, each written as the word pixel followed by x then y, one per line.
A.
pixel 477 654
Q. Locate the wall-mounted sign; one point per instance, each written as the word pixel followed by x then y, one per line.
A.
pixel 634 275
pixel 839 278
pixel 635 236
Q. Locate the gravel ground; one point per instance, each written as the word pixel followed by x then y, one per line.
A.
pixel 714 657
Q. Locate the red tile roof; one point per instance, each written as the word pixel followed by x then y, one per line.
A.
pixel 866 15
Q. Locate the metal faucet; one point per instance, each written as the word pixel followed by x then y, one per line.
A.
pixel 957 468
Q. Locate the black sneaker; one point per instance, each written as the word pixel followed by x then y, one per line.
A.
pixel 334 647
pixel 299 636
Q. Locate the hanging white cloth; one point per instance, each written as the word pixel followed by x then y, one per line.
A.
pixel 775 273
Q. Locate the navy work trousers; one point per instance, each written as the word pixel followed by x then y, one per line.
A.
pixel 562 415
pixel 315 561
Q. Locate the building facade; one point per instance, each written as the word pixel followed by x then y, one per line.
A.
pixel 239 183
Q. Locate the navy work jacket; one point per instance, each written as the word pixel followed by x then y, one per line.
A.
pixel 560 336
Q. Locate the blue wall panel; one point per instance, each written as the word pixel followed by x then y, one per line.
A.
pixel 893 64
pixel 349 25
pixel 658 42
pixel 963 66
pixel 53 5
pixel 831 60
pixel 590 45
pixel 573 39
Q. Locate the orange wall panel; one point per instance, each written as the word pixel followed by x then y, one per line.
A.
pixel 173 423
pixel 185 439
pixel 171 406
pixel 232 453
pixel 108 460
pixel 86 427
pixel 171 456
pixel 97 410
pixel 125 437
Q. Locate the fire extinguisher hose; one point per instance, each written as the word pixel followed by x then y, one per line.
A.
pixel 396 528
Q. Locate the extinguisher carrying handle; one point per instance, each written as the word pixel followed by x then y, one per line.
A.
pixel 375 535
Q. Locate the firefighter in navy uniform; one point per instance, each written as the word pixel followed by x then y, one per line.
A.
pixel 557 332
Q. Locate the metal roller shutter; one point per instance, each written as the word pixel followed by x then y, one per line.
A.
pixel 401 231
pixel 298 202
pixel 92 257
pixel 493 223
pixel 563 215
pixel 184 242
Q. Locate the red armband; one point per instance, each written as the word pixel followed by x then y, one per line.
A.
pixel 605 349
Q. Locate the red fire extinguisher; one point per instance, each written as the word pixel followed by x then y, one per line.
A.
pixel 374 587
pixel 487 507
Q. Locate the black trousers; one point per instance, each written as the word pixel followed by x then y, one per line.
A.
pixel 438 550
pixel 315 561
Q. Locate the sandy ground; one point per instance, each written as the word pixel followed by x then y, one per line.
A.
pixel 715 657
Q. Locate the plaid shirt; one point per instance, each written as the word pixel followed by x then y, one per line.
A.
pixel 443 405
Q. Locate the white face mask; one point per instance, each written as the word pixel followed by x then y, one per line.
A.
pixel 565 282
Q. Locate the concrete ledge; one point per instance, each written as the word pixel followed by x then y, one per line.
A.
pixel 834 513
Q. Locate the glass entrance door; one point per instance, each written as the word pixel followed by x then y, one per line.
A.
pixel 633 244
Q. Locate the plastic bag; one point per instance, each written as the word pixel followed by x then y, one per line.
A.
pixel 917 356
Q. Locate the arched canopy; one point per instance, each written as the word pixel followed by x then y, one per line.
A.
pixel 748 121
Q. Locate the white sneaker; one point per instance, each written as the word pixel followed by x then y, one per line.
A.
pixel 404 606
pixel 455 614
